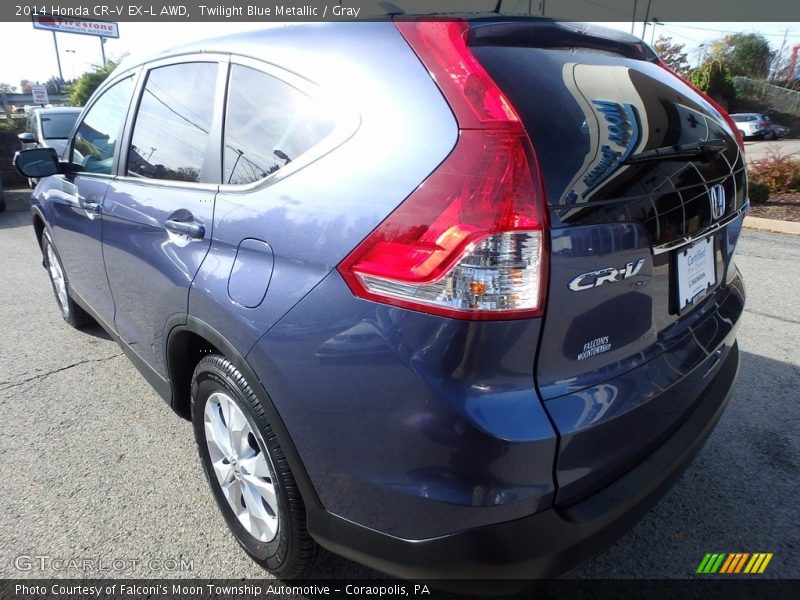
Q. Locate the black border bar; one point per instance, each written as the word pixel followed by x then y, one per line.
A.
pixel 715 587
pixel 186 11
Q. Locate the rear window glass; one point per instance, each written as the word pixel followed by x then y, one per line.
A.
pixel 743 118
pixel 171 133
pixel 268 124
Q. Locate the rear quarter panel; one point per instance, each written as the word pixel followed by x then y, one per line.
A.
pixel 312 218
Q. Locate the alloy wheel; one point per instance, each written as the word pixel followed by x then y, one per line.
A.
pixel 57 277
pixel 243 468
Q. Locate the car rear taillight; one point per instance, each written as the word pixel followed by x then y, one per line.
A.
pixel 735 131
pixel 469 242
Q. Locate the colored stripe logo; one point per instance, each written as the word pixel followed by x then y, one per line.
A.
pixel 734 563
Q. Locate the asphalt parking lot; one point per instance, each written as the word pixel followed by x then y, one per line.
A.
pixel 95 465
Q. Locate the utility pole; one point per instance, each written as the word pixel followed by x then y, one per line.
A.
pixel 653 33
pixel 58 59
pixel 646 18
pixel 103 49
pixel 700 49
pixel 72 62
pixel 776 61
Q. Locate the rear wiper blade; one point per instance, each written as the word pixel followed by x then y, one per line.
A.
pixel 705 151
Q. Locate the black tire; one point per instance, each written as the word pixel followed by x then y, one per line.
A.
pixel 70 310
pixel 770 135
pixel 292 550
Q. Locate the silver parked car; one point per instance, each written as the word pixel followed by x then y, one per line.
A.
pixel 49 128
pixel 757 125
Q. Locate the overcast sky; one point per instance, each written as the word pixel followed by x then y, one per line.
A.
pixel 29 53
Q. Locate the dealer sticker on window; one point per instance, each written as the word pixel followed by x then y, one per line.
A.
pixel 696 272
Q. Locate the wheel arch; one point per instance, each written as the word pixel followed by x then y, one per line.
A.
pixel 38 225
pixel 186 344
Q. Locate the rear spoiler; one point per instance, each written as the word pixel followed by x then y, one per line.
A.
pixel 546 33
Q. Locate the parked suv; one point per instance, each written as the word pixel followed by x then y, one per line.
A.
pixel 414 318
pixel 757 125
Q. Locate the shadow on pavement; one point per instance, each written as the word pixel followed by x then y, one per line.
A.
pixel 12 219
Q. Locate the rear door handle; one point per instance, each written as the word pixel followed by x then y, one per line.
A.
pixel 191 228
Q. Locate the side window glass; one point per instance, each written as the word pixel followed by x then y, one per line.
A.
pixel 268 124
pixel 96 138
pixel 170 134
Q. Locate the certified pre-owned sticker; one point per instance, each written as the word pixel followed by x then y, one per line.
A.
pixel 595 347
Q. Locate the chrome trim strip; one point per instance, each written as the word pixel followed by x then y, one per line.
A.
pixel 674 245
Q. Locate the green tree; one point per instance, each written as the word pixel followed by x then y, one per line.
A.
pixel 81 90
pixel 714 79
pixel 672 54
pixel 747 54
pixel 7 88
pixel 54 85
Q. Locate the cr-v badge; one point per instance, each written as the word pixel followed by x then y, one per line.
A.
pixel 716 195
pixel 587 281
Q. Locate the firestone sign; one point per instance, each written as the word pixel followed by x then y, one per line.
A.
pixel 107 29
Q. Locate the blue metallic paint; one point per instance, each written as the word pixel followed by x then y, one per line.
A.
pixel 251 272
pixel 138 249
pixel 77 231
pixel 431 416
pixel 303 217
pixel 407 424
pixel 642 405
pixel 641 388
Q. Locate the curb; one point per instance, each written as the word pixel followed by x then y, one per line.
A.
pixel 772 225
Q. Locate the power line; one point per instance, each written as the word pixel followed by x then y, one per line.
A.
pixel 671 30
pixel 608 8
pixel 730 31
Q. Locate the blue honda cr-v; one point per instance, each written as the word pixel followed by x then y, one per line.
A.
pixel 447 297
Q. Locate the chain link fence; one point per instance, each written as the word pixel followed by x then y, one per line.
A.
pixel 777 98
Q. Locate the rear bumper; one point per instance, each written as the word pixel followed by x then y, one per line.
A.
pixel 548 543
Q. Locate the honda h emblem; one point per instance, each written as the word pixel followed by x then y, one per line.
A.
pixel 717 197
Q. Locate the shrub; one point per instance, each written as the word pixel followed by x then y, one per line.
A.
pixel 778 172
pixel 714 79
pixel 759 193
pixel 13 125
pixel 82 89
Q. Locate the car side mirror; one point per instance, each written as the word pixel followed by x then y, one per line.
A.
pixel 26 138
pixel 37 162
